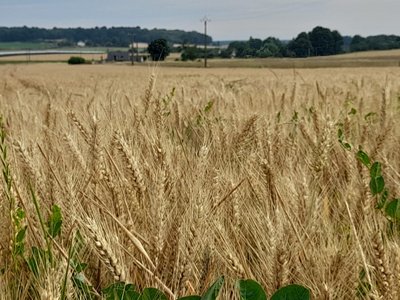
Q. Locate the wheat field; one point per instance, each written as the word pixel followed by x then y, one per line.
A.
pixel 172 177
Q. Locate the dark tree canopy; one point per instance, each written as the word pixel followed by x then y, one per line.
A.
pixel 270 47
pixel 254 45
pixel 158 49
pixel 339 42
pixel 301 46
pixel 377 42
pixel 99 36
pixel 190 53
pixel 193 53
pixel 358 43
pixel 324 41
pixel 320 41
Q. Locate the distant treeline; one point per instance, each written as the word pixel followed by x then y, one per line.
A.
pixel 99 36
pixel 318 42
pixel 377 42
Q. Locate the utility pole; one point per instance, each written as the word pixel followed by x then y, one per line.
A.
pixel 137 51
pixel 205 20
pixel 132 47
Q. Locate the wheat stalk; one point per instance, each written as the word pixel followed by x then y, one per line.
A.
pixel 104 251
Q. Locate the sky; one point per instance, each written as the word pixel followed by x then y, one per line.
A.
pixel 230 19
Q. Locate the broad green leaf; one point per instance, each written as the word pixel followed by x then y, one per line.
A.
pixel 213 291
pixel 393 209
pixel 382 200
pixel 364 158
pixel 190 298
pixel 120 291
pixel 19 246
pixel 292 292
pixel 346 146
pixel 377 184
pixel 152 294
pixel 21 235
pixel 20 213
pixel 18 216
pixel 376 170
pixel 353 111
pixel 251 290
pixel 340 135
pixel 55 221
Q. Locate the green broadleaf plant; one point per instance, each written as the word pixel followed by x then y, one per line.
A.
pixel 250 290
pixel 292 292
pixel 364 158
pixel 152 294
pixel 377 184
pixel 120 291
pixel 213 291
pixel 377 187
pixel 342 142
pixel 392 209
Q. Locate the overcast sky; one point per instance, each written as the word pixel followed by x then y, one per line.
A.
pixel 230 19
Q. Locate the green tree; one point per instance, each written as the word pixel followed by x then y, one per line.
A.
pixel 192 53
pixel 358 43
pixel 339 41
pixel 76 60
pixel 226 53
pixel 324 41
pixel 301 46
pixel 239 49
pixel 253 46
pixel 271 47
pixel 158 49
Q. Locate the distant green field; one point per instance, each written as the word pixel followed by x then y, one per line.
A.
pixel 8 46
pixel 94 48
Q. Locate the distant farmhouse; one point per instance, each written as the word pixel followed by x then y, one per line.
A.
pixel 81 44
pixel 120 56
